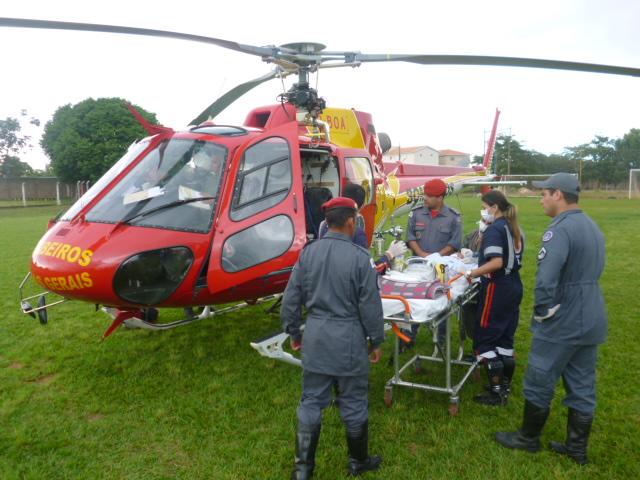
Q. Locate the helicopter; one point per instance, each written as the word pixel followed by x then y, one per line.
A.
pixel 217 214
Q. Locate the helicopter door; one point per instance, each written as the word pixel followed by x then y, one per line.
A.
pixel 261 228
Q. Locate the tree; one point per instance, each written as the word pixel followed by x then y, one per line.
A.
pixel 512 158
pixel 628 147
pixel 601 164
pixel 85 139
pixel 12 167
pixel 13 141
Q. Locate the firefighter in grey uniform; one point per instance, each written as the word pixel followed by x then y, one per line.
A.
pixel 569 322
pixel 434 228
pixel 335 280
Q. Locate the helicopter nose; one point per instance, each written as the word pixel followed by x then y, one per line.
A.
pixel 149 278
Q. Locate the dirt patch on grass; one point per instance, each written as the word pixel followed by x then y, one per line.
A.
pixel 45 379
pixel 94 417
pixel 16 366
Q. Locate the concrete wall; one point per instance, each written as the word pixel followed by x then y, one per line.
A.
pixel 36 188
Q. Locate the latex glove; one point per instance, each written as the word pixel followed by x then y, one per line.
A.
pixel 296 344
pixel 397 248
pixel 467 275
pixel 550 313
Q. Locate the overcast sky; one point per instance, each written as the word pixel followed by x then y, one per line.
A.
pixel 446 107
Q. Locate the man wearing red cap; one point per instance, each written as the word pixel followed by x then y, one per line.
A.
pixel 434 228
pixel 335 280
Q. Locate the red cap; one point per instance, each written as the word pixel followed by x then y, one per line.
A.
pixel 435 188
pixel 339 202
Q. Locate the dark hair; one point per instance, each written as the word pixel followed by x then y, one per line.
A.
pixel 570 198
pixel 355 192
pixel 510 212
pixel 337 217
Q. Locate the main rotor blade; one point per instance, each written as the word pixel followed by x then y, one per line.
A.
pixel 232 95
pixel 92 27
pixel 497 61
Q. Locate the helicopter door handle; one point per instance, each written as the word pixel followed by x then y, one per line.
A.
pixel 295 203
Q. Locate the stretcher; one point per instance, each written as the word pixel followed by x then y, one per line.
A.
pixel 401 313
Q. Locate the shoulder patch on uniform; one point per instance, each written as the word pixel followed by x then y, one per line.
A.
pixel 373 264
pixel 542 253
pixel 548 235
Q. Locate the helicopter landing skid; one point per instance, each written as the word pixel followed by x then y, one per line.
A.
pixel 135 321
pixel 271 347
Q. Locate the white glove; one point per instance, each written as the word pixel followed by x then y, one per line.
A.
pixel 397 248
pixel 550 313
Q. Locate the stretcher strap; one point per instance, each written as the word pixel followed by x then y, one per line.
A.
pixel 450 282
pixel 407 316
pixel 398 332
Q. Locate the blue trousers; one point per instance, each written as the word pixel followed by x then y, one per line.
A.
pixel 575 363
pixel 497 315
pixel 353 398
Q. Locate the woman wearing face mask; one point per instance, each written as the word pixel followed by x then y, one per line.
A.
pixel 499 262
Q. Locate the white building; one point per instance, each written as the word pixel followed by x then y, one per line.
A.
pixel 421 155
pixel 454 158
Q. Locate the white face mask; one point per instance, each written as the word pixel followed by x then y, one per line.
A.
pixel 482 226
pixel 486 216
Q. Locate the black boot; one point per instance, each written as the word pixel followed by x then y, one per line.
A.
pixel 509 367
pixel 509 364
pixel 494 395
pixel 578 429
pixel 528 437
pixel 359 459
pixel 306 442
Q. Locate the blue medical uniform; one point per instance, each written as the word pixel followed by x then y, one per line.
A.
pixel 500 294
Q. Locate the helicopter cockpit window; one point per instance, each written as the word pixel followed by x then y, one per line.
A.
pixel 264 178
pixel 257 244
pixel 359 172
pixel 174 186
pixel 320 170
pixel 132 153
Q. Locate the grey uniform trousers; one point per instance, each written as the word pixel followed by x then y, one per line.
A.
pixel 577 366
pixel 353 398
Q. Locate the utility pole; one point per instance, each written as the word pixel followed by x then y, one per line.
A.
pixel 509 154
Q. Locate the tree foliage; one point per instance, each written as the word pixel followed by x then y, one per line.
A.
pixel 13 167
pixel 85 139
pixel 12 142
pixel 603 163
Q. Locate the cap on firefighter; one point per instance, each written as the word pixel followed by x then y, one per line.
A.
pixel 339 202
pixel 435 188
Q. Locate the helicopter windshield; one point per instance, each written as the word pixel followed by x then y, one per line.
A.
pixel 176 173
pixel 132 153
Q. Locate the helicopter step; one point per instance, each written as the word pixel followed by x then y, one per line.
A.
pixel 271 347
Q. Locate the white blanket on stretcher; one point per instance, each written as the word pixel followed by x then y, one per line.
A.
pixel 423 309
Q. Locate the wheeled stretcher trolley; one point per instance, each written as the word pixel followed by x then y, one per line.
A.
pixel 400 313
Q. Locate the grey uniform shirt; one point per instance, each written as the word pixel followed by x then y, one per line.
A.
pixel 570 263
pixel 433 234
pixel 337 283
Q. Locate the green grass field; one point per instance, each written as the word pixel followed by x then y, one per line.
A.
pixel 199 403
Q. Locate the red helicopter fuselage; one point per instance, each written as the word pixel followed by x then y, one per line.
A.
pixel 207 216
